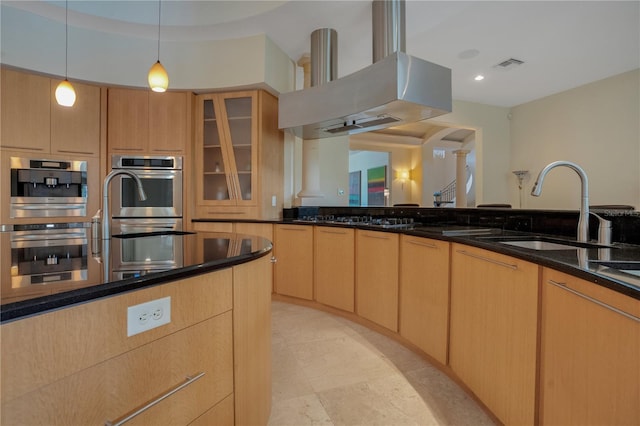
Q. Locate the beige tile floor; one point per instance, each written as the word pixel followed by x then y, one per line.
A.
pixel 328 370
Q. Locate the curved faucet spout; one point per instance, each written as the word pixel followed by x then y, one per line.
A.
pixel 106 216
pixel 583 221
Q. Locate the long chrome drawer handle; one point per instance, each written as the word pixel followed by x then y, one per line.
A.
pixel 596 301
pixel 378 237
pixel 50 207
pixel 127 417
pixel 486 259
pixel 324 231
pixel 418 243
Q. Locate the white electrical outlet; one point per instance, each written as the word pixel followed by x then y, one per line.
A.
pixel 274 201
pixel 148 315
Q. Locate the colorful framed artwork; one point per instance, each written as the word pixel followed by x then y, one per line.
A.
pixel 376 183
pixel 354 189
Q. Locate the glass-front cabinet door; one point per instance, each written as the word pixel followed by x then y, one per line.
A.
pixel 227 140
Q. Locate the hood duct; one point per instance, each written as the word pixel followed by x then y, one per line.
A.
pixel 395 89
pixel 324 54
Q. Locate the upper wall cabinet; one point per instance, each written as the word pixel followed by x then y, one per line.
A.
pixel 238 156
pixel 145 122
pixel 33 121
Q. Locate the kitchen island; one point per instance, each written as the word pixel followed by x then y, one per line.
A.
pixel 213 357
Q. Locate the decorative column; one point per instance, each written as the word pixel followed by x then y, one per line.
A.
pixel 310 169
pixel 321 68
pixel 461 177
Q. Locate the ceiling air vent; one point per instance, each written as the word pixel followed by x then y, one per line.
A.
pixel 509 63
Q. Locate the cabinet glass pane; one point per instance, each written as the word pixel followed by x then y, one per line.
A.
pixel 238 107
pixel 245 185
pixel 212 160
pixel 211 136
pixel 209 111
pixel 215 187
pixel 240 129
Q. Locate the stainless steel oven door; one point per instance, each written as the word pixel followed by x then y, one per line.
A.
pixel 138 226
pixel 124 275
pixel 152 252
pixel 162 187
pixel 48 256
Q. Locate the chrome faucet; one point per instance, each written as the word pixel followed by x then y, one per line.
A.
pixel 583 221
pixel 106 217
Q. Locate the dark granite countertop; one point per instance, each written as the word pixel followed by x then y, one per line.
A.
pixel 204 252
pixel 104 276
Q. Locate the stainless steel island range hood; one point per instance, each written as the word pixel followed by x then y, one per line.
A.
pixel 395 89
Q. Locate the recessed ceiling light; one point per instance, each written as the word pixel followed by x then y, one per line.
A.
pixel 479 77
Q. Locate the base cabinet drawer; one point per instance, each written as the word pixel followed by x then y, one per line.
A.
pixel 589 354
pixel 493 330
pixel 221 414
pixel 377 277
pixel 113 390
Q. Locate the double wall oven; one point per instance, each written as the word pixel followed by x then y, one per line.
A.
pixel 160 213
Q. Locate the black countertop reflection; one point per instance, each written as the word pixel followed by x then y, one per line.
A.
pixel 141 262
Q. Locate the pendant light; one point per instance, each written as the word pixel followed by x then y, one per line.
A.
pixel 65 94
pixel 158 77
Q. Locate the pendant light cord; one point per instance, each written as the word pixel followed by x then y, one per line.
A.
pixel 66 39
pixel 159 15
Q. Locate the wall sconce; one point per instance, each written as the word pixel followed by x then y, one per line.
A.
pixel 404 176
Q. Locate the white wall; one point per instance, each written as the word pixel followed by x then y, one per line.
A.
pixel 596 126
pixel 334 172
pixel 492 146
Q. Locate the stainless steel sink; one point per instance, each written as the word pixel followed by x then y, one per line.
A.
pixel 539 245
pixel 543 243
pixel 627 266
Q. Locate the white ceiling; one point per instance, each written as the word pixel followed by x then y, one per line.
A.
pixel 563 44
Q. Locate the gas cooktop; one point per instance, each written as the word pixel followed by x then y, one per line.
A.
pixel 378 222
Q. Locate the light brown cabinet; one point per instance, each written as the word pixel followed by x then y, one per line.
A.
pixel 264 230
pixel 293 251
pixel 145 122
pixel 252 284
pixel 334 267
pixel 215 353
pixel 115 374
pixel 493 333
pixel 76 130
pixel 424 294
pixel 109 391
pixel 590 352
pixel 238 156
pixel 377 277
pixel 32 120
